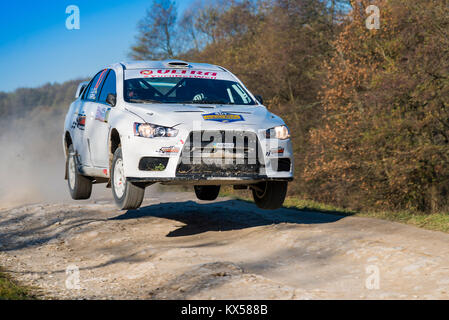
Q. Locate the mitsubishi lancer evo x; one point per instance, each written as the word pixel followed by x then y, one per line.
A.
pixel 174 122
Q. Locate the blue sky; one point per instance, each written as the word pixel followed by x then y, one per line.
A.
pixel 36 47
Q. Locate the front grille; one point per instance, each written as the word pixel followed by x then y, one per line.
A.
pixel 220 154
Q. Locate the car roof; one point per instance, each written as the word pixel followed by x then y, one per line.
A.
pixel 169 64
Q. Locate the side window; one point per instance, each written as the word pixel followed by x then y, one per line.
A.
pixel 109 86
pixel 94 88
pixel 240 95
pixel 86 90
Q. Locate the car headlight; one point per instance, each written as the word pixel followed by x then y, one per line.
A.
pixel 279 132
pixel 148 130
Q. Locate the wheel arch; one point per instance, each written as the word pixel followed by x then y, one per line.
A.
pixel 114 142
pixel 67 143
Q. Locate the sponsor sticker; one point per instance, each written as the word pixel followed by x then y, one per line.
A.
pixel 222 145
pixel 81 121
pixel 171 149
pixel 102 113
pixel 223 117
pixel 170 73
pixel 94 91
pixel 146 72
pixel 278 151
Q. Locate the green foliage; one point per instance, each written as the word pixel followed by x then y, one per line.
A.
pixel 9 290
pixel 434 221
pixel 159 167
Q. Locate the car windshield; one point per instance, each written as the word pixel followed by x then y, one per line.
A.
pixel 186 91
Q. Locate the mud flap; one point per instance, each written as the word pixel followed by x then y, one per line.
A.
pixel 66 177
pixel 66 164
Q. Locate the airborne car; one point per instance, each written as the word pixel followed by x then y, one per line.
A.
pixel 174 122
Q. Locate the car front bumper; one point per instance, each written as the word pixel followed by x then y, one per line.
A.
pixel 136 148
pixel 195 180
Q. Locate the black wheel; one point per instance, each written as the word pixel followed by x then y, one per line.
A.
pixel 126 194
pixel 270 195
pixel 207 192
pixel 80 186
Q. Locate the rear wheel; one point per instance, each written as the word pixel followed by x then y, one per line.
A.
pixel 80 186
pixel 270 195
pixel 207 192
pixel 126 194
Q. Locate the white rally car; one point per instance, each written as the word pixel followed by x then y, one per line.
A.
pixel 173 122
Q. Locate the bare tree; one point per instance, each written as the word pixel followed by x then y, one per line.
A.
pixel 191 34
pixel 207 20
pixel 157 32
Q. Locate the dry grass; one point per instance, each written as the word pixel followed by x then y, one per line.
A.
pixel 434 221
pixel 10 290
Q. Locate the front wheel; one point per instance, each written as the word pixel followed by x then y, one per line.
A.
pixel 126 194
pixel 270 195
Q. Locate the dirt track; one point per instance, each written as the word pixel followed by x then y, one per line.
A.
pixel 176 248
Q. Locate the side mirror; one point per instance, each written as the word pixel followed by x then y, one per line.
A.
pixel 80 89
pixel 111 99
pixel 259 98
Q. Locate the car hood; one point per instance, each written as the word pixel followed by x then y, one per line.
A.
pixel 210 116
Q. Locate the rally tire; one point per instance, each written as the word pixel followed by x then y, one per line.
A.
pixel 270 195
pixel 127 195
pixel 207 192
pixel 80 186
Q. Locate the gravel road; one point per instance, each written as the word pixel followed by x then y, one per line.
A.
pixel 175 247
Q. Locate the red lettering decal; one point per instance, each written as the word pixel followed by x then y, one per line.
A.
pixel 146 72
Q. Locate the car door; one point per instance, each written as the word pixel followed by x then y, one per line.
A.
pixel 98 132
pixel 78 128
pixel 88 110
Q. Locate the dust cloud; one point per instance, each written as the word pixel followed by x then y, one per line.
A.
pixel 33 163
pixel 32 160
